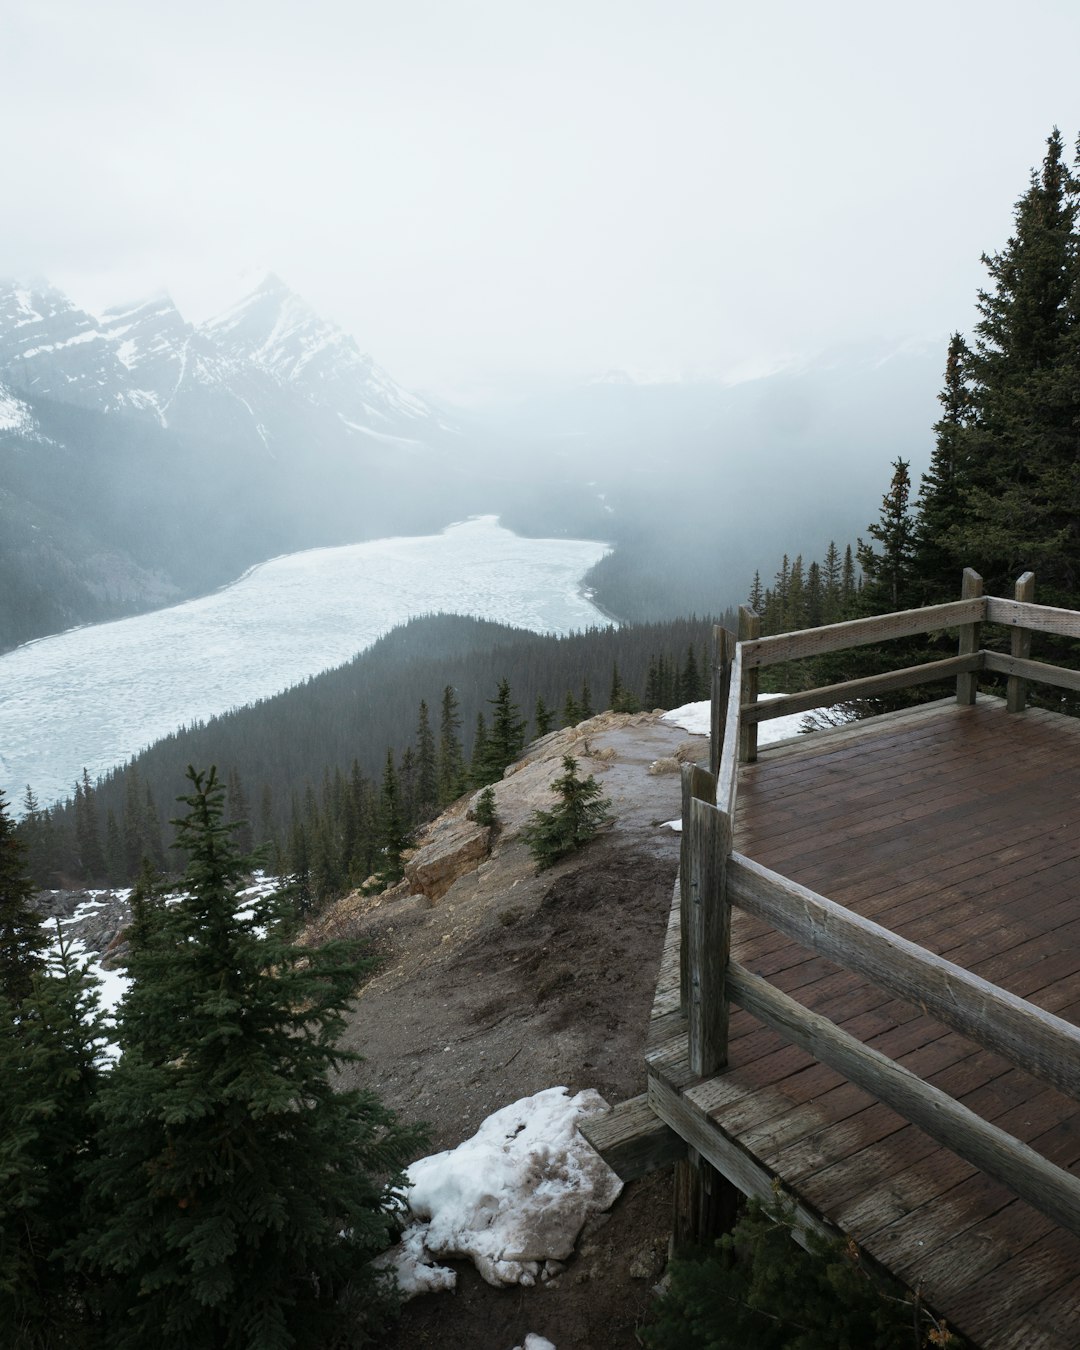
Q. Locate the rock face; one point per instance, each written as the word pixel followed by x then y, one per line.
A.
pixel 449 848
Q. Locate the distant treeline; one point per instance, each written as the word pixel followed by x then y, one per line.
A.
pixel 333 775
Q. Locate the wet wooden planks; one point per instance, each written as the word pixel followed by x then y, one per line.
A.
pixel 957 827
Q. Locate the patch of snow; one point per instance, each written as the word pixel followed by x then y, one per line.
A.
pixel 697 719
pixel 534 1342
pixel 513 1198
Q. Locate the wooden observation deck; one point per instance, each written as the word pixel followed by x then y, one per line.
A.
pixel 870 992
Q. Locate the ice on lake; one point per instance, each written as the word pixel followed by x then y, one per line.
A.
pixel 95 696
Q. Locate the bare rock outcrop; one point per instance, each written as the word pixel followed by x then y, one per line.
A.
pixel 449 848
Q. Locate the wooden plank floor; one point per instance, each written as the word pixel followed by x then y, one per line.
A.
pixel 958 828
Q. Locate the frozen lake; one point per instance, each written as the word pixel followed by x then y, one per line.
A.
pixel 95 696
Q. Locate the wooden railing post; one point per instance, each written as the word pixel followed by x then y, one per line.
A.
pixel 709 932
pixel 966 684
pixel 749 630
pixel 723 653
pixel 697 785
pixel 1016 692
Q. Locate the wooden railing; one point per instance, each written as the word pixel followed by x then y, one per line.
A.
pixel 714 878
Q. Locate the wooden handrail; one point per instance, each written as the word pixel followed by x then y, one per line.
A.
pixel 1026 1035
pixel 1039 618
pixel 727 783
pixel 867 687
pixel 1050 1189
pixel 768 651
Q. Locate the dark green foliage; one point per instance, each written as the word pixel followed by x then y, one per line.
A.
pixel 888 571
pixel 580 814
pixel 543 718
pixel 503 742
pixel 757 1288
pixel 427 769
pixel 237 1198
pixel 1003 491
pixel 88 832
pixel 484 811
pixel 21 938
pixel 49 1066
pixel 451 767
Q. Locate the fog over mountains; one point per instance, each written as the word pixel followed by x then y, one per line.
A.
pixel 145 459
pixel 257 365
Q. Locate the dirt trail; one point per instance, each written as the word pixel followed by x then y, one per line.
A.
pixel 513 982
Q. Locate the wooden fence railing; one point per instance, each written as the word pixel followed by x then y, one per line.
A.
pixel 714 878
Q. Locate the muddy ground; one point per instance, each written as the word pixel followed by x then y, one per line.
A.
pixel 513 982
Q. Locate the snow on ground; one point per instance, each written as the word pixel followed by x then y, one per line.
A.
pixel 96 695
pixel 697 719
pixel 534 1342
pixel 513 1198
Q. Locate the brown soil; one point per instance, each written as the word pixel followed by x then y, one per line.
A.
pixel 514 982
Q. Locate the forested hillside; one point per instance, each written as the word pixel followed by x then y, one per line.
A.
pixel 356 757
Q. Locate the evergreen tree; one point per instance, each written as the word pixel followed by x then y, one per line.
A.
pixel 237 812
pixel 49 1065
pixel 1019 505
pixel 690 682
pixel 238 1197
pixel 21 938
pixel 427 769
pixel 88 832
pixel 587 710
pixel 830 581
pixel 940 508
pixel 578 817
pixel 393 825
pixel 571 712
pixel 543 717
pixel 889 573
pixel 506 738
pixel 849 583
pixel 451 757
pixel 756 599
pixel 115 869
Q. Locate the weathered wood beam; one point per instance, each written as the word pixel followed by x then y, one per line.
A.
pixel 1016 690
pixel 834 637
pixel 749 631
pixel 866 687
pixel 1040 672
pixel 727 784
pixel 1047 1188
pixel 1039 618
pixel 966 684
pixel 704 1203
pixel 1031 1038
pixel 710 936
pixel 697 785
pixel 633 1140
pixel 723 655
pixel 729 1158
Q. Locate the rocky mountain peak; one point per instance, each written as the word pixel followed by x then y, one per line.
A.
pixel 50 348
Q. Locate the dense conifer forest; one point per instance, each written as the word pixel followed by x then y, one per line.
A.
pixel 334 774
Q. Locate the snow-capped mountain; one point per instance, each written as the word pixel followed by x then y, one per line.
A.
pixel 276 331
pixel 256 375
pixel 49 348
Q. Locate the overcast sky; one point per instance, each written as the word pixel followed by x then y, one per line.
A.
pixel 489 193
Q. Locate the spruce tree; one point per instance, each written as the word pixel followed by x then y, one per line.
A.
pixel 889 571
pixel 50 1048
pixel 580 814
pixel 451 757
pixel 88 832
pixel 238 1197
pixel 427 772
pixel 22 940
pixel 505 738
pixel 1019 506
pixel 543 717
